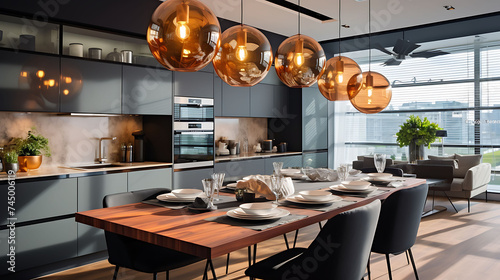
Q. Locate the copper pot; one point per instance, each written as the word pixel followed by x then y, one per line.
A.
pixel 29 162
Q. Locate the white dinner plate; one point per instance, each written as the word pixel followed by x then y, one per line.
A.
pixel 239 214
pixel 341 188
pixel 299 199
pixel 168 197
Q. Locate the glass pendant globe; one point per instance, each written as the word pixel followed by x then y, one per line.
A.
pixel 333 82
pixel 299 61
pixel 375 93
pixel 183 35
pixel 244 57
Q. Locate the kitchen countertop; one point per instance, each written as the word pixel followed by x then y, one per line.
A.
pixel 59 172
pixel 253 156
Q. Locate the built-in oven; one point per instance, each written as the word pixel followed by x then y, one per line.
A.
pixel 193 132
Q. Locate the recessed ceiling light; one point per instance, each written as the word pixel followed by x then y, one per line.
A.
pixel 449 8
pixel 346 26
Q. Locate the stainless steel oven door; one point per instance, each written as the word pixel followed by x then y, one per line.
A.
pixel 193 145
pixel 193 109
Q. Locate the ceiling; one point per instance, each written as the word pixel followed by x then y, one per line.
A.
pixel 386 14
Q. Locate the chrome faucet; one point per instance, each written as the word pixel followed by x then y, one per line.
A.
pixel 102 155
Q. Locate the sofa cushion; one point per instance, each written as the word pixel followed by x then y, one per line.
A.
pixel 441 157
pixel 465 162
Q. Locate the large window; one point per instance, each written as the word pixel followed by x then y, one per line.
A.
pixel 460 91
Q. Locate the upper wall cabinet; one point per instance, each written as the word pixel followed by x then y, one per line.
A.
pixel 90 86
pixel 235 101
pixel 268 100
pixel 28 35
pixel 194 84
pixel 146 91
pixel 314 120
pixel 29 82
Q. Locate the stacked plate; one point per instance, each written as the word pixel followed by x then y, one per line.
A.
pixel 310 198
pixel 293 173
pixel 245 214
pixel 379 178
pixel 342 188
pixel 180 195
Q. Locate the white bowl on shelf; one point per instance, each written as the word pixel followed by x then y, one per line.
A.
pixel 356 185
pixel 187 193
pixel 316 195
pixel 258 208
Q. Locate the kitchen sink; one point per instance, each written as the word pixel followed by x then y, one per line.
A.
pixel 95 166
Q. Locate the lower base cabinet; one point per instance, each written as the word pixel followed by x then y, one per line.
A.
pixel 191 178
pixel 39 244
pixel 315 160
pixel 288 162
pixel 148 179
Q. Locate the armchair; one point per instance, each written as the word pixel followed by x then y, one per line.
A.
pixel 470 176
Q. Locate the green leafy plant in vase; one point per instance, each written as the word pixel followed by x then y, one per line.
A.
pixel 11 161
pixel 31 149
pixel 417 133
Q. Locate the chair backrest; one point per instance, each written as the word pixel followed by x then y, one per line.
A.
pixel 118 199
pixel 399 220
pixel 434 171
pixel 393 171
pixel 341 249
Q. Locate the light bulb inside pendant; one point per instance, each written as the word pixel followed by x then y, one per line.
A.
pixel 369 85
pixel 182 30
pixel 241 49
pixel 299 52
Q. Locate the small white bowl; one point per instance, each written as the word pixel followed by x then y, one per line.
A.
pixel 356 185
pixel 354 172
pixel 316 195
pixel 379 175
pixel 258 208
pixel 187 193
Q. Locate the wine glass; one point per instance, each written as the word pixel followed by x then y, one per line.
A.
pixel 275 186
pixel 209 187
pixel 277 165
pixel 342 172
pixel 379 161
pixel 218 181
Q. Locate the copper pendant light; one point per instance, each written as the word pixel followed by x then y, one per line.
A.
pixel 245 56
pixel 300 60
pixel 183 35
pixel 338 70
pixel 376 92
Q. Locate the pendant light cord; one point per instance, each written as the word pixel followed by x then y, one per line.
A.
pixel 299 17
pixel 369 35
pixel 340 26
pixel 241 15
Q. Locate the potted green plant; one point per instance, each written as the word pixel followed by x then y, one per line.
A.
pixel 31 149
pixel 11 161
pixel 417 133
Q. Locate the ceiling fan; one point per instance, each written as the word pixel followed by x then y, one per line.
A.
pixel 403 49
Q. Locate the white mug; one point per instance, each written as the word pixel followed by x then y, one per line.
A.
pixel 76 49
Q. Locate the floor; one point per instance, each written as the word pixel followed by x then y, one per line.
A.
pixel 449 246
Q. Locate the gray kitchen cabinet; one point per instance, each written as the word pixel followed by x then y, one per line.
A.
pixel 147 179
pixel 40 244
pixel 314 120
pixel 41 199
pixel 315 160
pixel 90 86
pixel 23 87
pixel 91 191
pixel 235 101
pixel 237 169
pixel 262 101
pixel 281 97
pixel 194 84
pixel 146 91
pixel 191 178
pixel 288 162
pixel 272 78
pixel 217 96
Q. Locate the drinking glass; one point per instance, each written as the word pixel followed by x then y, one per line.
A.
pixel 379 160
pixel 342 172
pixel 277 165
pixel 276 186
pixel 209 187
pixel 218 181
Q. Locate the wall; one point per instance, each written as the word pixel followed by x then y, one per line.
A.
pixel 254 129
pixel 73 140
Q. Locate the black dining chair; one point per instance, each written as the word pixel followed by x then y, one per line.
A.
pixel 398 224
pixel 138 255
pixel 394 171
pixel 340 251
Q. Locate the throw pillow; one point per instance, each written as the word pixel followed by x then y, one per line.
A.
pixel 441 157
pixel 465 162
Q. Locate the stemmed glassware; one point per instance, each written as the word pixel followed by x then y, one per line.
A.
pixel 276 187
pixel 343 172
pixel 277 165
pixel 209 188
pixel 218 181
pixel 379 161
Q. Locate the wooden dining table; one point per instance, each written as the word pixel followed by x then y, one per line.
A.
pixel 189 232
